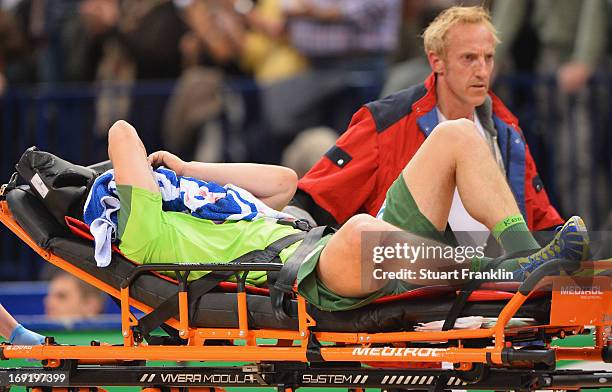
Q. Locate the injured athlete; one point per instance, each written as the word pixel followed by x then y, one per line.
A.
pixel 333 273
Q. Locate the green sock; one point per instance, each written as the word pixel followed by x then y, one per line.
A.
pixel 513 234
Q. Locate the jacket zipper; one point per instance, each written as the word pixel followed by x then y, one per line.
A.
pixel 508 141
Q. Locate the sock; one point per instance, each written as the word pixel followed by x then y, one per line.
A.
pixel 513 234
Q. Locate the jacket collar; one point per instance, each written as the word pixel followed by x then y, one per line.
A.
pixel 485 115
pixel 427 118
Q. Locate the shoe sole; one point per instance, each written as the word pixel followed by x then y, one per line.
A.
pixel 582 229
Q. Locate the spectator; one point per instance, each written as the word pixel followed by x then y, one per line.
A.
pixel 218 31
pixel 340 40
pixel 572 36
pixel 268 51
pixel 41 25
pixel 15 64
pixel 213 47
pixel 138 40
pixel 70 298
pixel 345 35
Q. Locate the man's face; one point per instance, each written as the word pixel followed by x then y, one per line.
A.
pixel 465 73
pixel 64 299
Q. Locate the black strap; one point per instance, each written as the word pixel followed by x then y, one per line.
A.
pixel 169 308
pixel 459 304
pixel 313 350
pixel 196 289
pixel 290 269
pixel 287 275
pixel 300 224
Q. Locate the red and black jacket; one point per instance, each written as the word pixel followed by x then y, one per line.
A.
pixel 354 175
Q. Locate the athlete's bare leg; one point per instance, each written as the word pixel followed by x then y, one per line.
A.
pixel 340 267
pixel 129 157
pixel 453 155
pixel 456 155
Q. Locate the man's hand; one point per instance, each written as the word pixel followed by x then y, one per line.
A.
pixel 573 76
pixel 167 159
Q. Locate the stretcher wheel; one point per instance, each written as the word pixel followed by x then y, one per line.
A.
pixel 67 365
pixel 478 372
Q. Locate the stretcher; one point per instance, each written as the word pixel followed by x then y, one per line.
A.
pixel 293 344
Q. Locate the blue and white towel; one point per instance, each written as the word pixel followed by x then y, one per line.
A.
pixel 201 199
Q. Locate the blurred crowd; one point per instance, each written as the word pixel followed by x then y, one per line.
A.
pixel 302 54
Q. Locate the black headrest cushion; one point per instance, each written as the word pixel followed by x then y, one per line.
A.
pixel 59 184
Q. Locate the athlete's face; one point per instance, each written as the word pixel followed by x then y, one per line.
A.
pixel 465 72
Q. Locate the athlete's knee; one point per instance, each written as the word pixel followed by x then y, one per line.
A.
pixel 121 132
pixel 356 226
pixel 459 133
pixel 360 222
pixel 455 128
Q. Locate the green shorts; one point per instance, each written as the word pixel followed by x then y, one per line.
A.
pixel 315 292
pixel 150 235
pixel 402 211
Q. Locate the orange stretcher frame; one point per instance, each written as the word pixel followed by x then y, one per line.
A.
pixel 293 345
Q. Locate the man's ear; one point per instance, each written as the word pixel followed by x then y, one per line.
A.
pixel 435 62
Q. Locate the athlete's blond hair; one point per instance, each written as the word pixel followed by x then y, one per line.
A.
pixel 435 35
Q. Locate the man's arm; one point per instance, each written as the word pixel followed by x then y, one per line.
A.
pixel 589 47
pixel 507 17
pixel 14 332
pixel 273 185
pixel 7 323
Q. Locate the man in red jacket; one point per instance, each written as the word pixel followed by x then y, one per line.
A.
pixel 383 136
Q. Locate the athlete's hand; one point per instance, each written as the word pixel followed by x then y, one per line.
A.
pixel 169 160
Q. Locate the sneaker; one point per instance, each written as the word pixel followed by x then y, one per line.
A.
pixel 570 243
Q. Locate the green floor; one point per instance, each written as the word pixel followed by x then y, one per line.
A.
pixel 114 337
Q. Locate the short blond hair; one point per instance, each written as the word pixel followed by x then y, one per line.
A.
pixel 435 35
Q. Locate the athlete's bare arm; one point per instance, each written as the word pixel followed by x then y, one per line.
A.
pixel 274 185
